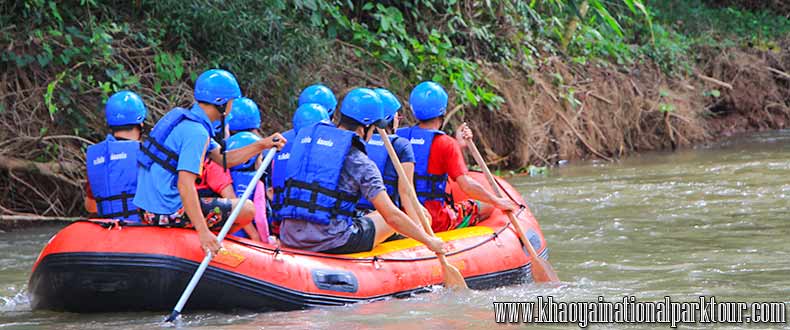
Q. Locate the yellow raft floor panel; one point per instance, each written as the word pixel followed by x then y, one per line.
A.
pixel 408 243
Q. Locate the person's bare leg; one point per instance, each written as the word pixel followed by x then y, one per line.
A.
pixel 245 216
pixel 383 230
pixel 252 232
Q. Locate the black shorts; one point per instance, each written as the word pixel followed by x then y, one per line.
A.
pixel 216 211
pixel 363 235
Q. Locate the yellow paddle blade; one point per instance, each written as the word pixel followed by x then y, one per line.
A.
pixel 542 271
pixel 453 278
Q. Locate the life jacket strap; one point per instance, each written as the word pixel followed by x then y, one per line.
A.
pixel 313 207
pixel 245 169
pixel 436 184
pixel 277 199
pixel 124 197
pixel 205 193
pixel 167 164
pixel 437 179
pixel 316 189
pixel 391 182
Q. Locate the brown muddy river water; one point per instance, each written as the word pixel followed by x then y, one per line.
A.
pixel 713 221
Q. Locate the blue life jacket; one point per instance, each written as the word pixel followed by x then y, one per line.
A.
pixel 153 149
pixel 429 187
pixel 280 162
pixel 241 175
pixel 112 174
pixel 312 174
pixel 377 152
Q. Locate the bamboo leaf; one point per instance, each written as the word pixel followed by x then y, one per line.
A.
pixel 607 17
pixel 630 4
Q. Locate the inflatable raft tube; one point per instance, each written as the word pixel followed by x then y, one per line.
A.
pixel 104 266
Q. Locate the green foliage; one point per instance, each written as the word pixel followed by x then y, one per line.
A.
pixel 267 43
pixel 711 24
pixel 64 37
pixel 78 42
pixel 169 69
pixel 670 51
pixel 419 53
pixel 254 39
pixel 666 107
pixel 713 92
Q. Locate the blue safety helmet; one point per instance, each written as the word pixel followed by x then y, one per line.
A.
pixel 244 115
pixel 241 140
pixel 124 108
pixel 363 105
pixel 216 87
pixel 309 113
pixel 389 102
pixel 428 100
pixel 319 94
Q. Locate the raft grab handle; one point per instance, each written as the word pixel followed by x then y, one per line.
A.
pixel 335 280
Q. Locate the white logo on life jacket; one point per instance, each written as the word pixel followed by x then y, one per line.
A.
pixel 98 161
pixel 118 156
pixel 326 143
pixel 284 156
pixel 376 142
pixel 306 140
pixel 417 141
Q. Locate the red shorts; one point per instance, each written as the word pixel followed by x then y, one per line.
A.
pixel 448 217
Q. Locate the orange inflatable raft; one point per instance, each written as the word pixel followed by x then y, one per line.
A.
pixel 101 266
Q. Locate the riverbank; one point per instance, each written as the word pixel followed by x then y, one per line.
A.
pixel 568 111
pixel 535 91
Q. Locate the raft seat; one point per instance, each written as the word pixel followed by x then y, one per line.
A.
pixel 408 243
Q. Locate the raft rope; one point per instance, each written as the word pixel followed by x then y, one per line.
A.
pixel 374 259
pixel 521 206
pixel 277 250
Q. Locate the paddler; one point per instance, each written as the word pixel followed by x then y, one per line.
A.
pixel 321 95
pixel 305 115
pixel 377 152
pixel 244 124
pixel 172 156
pixel 112 163
pixel 326 175
pixel 438 157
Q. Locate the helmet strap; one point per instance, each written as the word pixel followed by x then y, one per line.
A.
pixel 223 144
pixel 369 132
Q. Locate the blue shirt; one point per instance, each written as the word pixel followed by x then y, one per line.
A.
pixel 157 188
pixel 404 150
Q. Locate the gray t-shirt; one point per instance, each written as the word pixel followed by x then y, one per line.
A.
pixel 359 174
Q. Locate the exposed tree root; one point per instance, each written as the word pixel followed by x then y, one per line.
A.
pixel 557 111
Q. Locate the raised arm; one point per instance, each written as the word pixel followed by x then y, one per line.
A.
pixel 241 155
pixel 476 191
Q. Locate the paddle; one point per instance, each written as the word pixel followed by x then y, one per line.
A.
pixel 225 229
pixel 452 277
pixel 542 271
